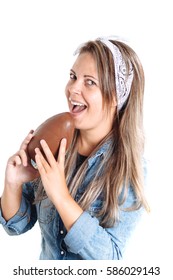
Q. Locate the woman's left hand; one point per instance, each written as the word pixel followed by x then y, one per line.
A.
pixel 53 179
pixel 52 171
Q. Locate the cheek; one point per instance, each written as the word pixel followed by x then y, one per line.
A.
pixel 96 102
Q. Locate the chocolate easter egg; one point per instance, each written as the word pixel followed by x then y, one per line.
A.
pixel 52 131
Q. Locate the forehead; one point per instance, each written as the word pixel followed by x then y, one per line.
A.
pixel 85 64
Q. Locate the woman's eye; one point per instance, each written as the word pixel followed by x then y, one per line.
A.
pixel 90 82
pixel 72 76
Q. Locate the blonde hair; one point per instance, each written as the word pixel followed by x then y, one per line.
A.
pixel 122 164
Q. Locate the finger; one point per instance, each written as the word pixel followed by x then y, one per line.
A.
pixel 27 140
pixel 19 158
pixel 41 161
pixel 16 160
pixel 48 153
pixel 39 164
pixel 62 150
pixel 23 157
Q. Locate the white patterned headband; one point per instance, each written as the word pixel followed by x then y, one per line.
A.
pixel 123 80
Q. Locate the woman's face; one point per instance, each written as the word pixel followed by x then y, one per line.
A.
pixel 85 98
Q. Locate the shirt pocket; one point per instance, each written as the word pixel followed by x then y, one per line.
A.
pixel 46 211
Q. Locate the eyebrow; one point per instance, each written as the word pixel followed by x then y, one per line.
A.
pixel 85 76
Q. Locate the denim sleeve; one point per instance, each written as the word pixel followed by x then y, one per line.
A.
pixel 26 216
pixel 91 241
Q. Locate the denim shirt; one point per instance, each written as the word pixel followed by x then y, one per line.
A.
pixel 86 240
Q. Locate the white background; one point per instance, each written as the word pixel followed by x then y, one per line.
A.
pixel 37 41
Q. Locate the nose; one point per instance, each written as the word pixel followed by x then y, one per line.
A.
pixel 76 87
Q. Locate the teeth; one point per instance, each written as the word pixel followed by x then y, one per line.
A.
pixel 76 103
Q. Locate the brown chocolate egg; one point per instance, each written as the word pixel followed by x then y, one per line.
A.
pixel 52 131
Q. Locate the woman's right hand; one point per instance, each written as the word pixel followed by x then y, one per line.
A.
pixel 18 169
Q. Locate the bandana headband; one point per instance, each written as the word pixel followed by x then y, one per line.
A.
pixel 123 80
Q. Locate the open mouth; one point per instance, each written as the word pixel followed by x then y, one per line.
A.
pixel 77 107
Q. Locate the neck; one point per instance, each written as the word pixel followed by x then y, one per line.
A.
pixel 88 141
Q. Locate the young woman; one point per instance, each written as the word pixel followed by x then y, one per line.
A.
pixel 90 199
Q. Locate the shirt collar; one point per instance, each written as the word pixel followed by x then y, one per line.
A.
pixel 101 151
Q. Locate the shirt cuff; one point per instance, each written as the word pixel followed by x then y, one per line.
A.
pixel 81 232
pixel 20 218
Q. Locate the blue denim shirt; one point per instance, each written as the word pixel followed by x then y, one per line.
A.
pixel 86 239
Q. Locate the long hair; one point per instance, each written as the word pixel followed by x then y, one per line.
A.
pixel 122 163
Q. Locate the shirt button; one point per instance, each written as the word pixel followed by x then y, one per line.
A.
pixel 61 231
pixel 62 252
